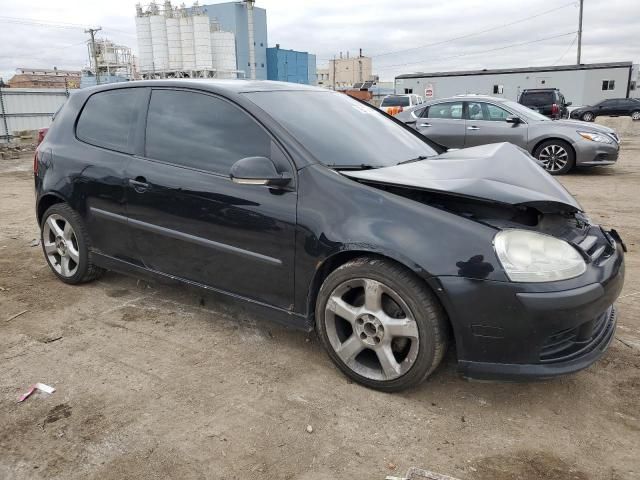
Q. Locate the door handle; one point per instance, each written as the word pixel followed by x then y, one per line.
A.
pixel 424 125
pixel 139 184
pixel 473 127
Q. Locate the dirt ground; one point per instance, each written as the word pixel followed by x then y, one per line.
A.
pixel 160 382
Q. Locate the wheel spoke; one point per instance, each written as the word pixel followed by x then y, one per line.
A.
pixel 350 349
pixel 342 309
pixel 388 362
pixel 373 295
pixel 73 253
pixel 55 228
pixel 400 327
pixel 67 232
pixel 64 266
pixel 50 248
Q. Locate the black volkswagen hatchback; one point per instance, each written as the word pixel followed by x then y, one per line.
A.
pixel 329 214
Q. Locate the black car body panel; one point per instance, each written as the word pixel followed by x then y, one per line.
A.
pixel 273 246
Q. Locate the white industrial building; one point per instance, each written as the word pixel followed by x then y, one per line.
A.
pixel 583 84
pixel 183 43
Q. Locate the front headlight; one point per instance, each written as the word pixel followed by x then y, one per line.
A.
pixel 534 257
pixel 595 137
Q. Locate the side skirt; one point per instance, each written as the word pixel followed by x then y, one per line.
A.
pixel 263 310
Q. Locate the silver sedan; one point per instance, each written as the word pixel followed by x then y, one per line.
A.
pixel 470 120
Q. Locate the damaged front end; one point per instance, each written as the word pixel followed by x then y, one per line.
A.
pixel 554 313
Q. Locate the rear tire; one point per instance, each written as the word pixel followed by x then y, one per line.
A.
pixel 635 115
pixel 557 156
pixel 587 117
pixel 66 245
pixel 380 324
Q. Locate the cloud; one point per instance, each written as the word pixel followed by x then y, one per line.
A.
pixel 377 26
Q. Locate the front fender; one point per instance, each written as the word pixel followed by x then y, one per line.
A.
pixel 338 215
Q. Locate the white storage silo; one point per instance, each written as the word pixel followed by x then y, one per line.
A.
pixel 186 43
pixel 159 42
pixel 202 42
pixel 223 46
pixel 174 44
pixel 145 50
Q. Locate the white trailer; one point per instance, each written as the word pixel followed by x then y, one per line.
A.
pixel 581 84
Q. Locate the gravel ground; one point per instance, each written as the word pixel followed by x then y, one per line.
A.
pixel 160 382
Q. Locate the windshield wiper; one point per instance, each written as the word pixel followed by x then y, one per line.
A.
pixel 362 166
pixel 411 160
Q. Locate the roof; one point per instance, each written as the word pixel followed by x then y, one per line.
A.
pixel 231 86
pixel 553 68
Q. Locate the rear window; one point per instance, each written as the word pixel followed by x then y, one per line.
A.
pixel 537 98
pixel 108 119
pixel 395 102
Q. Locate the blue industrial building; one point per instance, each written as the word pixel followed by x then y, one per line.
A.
pixel 291 66
pixel 232 17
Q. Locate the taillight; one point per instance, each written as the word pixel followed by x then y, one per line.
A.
pixel 555 110
pixel 35 163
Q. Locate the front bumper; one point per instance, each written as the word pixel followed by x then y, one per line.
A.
pixel 594 154
pixel 516 331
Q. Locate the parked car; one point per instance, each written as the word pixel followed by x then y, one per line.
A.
pixel 613 107
pixel 470 120
pixel 329 214
pixel 394 104
pixel 550 102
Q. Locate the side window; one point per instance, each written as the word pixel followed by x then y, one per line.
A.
pixel 108 119
pixel 495 113
pixel 445 110
pixel 201 131
pixel 475 111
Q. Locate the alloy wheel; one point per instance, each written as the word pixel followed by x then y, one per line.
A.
pixel 553 157
pixel 635 116
pixel 587 117
pixel 61 245
pixel 371 329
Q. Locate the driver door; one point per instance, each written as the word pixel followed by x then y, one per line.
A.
pixel 189 220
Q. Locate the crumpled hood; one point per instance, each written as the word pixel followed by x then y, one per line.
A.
pixel 499 172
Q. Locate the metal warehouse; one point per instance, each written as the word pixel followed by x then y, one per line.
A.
pixel 582 84
pixel 291 66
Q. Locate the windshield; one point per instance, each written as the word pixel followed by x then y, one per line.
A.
pixel 526 112
pixel 339 130
pixel 395 101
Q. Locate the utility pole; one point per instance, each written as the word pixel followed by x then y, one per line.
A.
pixel 333 84
pixel 94 54
pixel 580 32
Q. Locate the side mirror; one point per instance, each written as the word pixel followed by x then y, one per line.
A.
pixel 568 104
pixel 258 171
pixel 513 119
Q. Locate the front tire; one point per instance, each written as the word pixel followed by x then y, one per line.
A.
pixel 557 156
pixel 635 115
pixel 65 243
pixel 380 324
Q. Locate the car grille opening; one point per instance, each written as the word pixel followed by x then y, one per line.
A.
pixel 573 342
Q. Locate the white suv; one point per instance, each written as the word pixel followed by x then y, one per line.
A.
pixel 394 104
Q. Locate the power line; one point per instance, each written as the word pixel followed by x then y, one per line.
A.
pixel 481 51
pixel 47 24
pixel 567 50
pixel 497 27
pixel 472 34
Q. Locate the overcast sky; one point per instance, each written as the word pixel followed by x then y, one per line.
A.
pixel 384 29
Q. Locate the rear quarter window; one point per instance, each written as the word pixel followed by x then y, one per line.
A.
pixel 537 98
pixel 109 118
